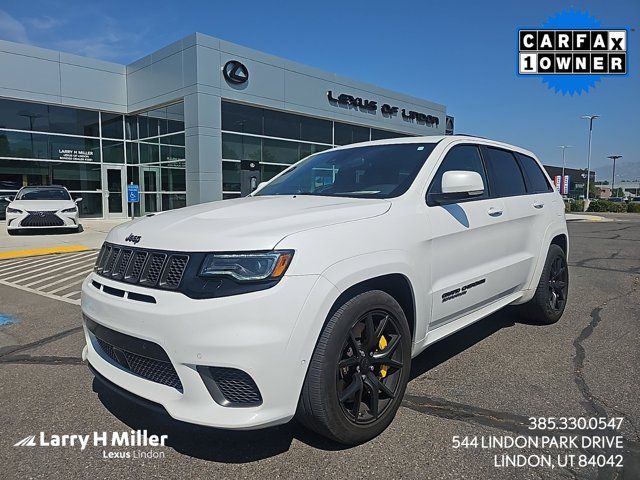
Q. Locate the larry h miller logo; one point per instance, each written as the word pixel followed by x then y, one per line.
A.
pixel 135 439
pixel 571 52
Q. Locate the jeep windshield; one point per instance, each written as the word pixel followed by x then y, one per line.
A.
pixel 38 193
pixel 376 171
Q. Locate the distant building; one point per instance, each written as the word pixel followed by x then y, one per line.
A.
pixel 577 178
pixel 605 191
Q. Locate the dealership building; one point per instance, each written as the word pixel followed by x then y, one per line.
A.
pixel 199 120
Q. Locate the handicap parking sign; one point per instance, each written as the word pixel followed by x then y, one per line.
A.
pixel 133 193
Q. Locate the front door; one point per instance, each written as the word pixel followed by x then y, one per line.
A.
pixel 114 199
pixel 470 255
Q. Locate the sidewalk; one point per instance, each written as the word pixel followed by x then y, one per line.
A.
pixel 43 242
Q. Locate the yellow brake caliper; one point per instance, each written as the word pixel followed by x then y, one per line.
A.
pixel 382 344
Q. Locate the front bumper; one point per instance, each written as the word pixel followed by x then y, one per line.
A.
pixel 269 334
pixel 20 221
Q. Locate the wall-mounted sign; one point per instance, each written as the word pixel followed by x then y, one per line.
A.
pixel 235 72
pixel 449 126
pixel 75 155
pixel 386 109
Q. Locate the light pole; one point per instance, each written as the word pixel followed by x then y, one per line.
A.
pixel 586 195
pixel 613 175
pixel 563 147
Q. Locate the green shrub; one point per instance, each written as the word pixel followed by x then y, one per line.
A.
pixel 577 206
pixel 567 207
pixel 633 208
pixel 604 206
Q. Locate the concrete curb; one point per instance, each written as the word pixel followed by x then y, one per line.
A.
pixel 42 251
pixel 577 217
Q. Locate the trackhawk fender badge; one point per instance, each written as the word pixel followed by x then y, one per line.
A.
pixel 458 292
pixel 133 238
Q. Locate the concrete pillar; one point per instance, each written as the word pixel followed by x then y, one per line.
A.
pixel 203 141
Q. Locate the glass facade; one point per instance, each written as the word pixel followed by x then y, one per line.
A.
pixel 93 154
pixel 277 139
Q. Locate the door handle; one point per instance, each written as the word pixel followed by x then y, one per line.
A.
pixel 538 204
pixel 494 212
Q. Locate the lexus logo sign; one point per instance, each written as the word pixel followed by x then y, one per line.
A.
pixel 235 72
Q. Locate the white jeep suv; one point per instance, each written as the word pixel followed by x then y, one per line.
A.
pixel 310 297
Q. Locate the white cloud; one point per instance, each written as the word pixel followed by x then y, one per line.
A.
pixel 45 22
pixel 12 29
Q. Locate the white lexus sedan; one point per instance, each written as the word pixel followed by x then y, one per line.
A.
pixel 42 207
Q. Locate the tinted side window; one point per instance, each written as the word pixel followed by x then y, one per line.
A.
pixel 460 157
pixel 537 181
pixel 505 173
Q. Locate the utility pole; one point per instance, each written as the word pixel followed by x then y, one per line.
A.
pixel 613 175
pixel 591 118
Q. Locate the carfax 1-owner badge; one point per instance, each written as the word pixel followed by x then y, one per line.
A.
pixel 572 51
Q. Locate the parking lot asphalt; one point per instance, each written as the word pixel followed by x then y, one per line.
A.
pixel 485 380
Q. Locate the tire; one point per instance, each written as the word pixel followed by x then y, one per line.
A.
pixel 544 308
pixel 346 420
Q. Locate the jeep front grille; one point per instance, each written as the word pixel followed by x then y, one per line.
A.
pixel 140 266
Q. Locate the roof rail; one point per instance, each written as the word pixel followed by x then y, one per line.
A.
pixel 468 135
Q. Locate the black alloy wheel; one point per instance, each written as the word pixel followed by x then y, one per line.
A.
pixel 370 367
pixel 558 284
pixel 551 295
pixel 359 369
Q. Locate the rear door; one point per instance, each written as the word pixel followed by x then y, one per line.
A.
pixel 522 219
pixel 468 243
pixel 543 201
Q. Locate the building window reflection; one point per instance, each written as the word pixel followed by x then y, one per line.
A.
pixel 42 144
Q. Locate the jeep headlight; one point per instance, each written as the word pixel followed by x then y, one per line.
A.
pixel 247 266
pixel 14 210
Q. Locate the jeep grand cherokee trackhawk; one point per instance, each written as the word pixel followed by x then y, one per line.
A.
pixel 310 297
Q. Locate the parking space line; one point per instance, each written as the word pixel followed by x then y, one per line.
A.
pixel 71 294
pixel 83 274
pixel 66 270
pixel 44 294
pixel 48 270
pixel 26 265
pixel 50 276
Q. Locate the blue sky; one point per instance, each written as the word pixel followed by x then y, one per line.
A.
pixel 461 54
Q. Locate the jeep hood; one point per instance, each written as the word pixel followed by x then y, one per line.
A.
pixel 250 223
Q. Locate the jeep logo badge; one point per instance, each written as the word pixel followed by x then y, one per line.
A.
pixel 133 238
pixel 235 72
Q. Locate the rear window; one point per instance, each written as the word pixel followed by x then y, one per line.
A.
pixel 505 173
pixel 537 181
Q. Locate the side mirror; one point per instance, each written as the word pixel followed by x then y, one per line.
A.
pixel 462 182
pixel 78 200
pixel 8 199
pixel 457 186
